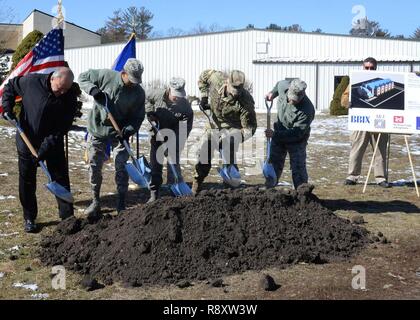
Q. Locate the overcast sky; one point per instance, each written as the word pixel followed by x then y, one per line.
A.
pixel 399 17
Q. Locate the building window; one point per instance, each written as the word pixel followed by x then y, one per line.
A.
pixel 262 47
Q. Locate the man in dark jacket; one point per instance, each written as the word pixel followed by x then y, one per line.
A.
pixel 49 105
pixel 171 110
pixel 295 113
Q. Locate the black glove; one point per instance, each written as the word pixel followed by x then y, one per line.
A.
pixel 44 149
pixel 127 132
pixel 153 116
pixel 99 96
pixel 204 103
pixel 8 114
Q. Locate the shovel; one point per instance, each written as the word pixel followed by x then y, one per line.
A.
pixel 180 188
pixel 268 169
pixel 56 189
pixel 229 173
pixel 138 171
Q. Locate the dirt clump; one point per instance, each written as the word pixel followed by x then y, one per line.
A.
pixel 212 235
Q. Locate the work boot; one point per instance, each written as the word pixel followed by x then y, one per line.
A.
pixel 121 202
pixel 93 212
pixel 197 186
pixel 30 226
pixel 154 195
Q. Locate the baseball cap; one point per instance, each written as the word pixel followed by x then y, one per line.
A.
pixel 134 69
pixel 177 86
pixel 297 90
pixel 236 82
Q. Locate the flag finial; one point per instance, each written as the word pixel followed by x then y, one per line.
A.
pixel 60 16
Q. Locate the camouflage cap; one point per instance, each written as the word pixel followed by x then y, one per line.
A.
pixel 177 86
pixel 134 68
pixel 236 82
pixel 297 90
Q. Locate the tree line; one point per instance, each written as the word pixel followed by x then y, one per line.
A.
pixel 123 23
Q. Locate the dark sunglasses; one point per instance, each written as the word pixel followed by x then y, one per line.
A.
pixel 370 68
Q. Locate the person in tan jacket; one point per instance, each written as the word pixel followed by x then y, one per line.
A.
pixel 360 141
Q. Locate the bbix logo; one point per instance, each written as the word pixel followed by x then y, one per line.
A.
pixel 360 119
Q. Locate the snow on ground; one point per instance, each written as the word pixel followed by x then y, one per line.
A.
pixel 2 275
pixel 40 296
pixel 31 287
pixel 5 235
pixel 2 198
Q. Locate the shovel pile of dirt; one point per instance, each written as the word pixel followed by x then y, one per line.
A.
pixel 215 234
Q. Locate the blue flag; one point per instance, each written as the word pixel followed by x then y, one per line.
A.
pixel 128 52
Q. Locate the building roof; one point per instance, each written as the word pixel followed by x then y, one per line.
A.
pixel 73 24
pixel 275 60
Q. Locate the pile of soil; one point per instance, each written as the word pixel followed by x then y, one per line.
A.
pixel 217 233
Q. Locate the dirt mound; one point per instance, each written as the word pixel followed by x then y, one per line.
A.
pixel 215 234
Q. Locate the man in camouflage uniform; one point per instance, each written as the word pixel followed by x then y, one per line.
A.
pixel 169 108
pixel 292 130
pixel 234 119
pixel 126 100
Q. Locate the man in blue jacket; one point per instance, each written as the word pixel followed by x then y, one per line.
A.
pixel 292 130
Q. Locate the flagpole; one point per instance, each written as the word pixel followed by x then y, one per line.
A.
pixel 133 36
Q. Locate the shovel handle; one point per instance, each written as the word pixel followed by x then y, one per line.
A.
pixel 23 136
pixel 269 107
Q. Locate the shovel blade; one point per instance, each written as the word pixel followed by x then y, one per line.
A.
pixel 181 190
pixel 145 169
pixel 270 175
pixel 60 192
pixel 231 176
pixel 136 176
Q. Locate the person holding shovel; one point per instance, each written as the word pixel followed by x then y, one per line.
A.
pixel 233 119
pixel 49 106
pixel 126 102
pixel 292 130
pixel 170 110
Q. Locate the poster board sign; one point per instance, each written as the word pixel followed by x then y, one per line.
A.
pixel 387 102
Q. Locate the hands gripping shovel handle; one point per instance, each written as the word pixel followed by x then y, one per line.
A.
pixel 134 170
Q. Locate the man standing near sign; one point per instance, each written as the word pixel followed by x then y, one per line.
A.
pixel 360 141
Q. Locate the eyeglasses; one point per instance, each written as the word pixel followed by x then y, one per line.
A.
pixel 369 68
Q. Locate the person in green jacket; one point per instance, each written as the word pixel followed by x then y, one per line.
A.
pixel 126 102
pixel 292 130
pixel 233 119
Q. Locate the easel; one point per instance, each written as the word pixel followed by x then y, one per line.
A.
pixel 409 157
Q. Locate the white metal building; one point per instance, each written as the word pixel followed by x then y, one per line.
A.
pixel 265 56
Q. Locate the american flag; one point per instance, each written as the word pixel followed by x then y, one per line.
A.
pixel 46 57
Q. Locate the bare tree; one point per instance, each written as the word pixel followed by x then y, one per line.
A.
pixel 123 23
pixel 138 21
pixel 416 34
pixel 369 28
pixel 7 16
pixel 175 32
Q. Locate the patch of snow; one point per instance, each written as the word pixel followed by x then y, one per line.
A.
pixel 4 174
pixel 32 287
pixel 2 198
pixel 5 235
pixel 2 275
pixel 14 249
pixel 40 296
